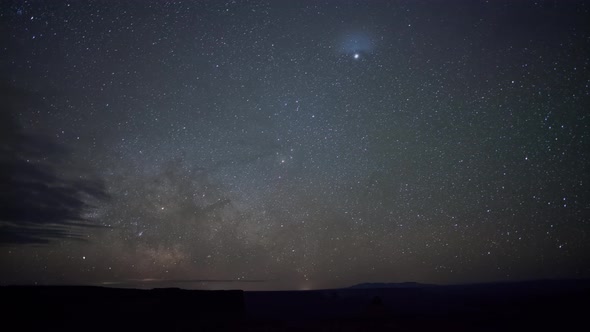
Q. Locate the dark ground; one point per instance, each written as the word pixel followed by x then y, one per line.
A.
pixel 523 306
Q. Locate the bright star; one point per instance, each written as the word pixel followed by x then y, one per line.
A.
pixel 356 55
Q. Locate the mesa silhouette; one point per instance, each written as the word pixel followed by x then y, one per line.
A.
pixel 366 307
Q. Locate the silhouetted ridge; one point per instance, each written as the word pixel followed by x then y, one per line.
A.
pixel 559 305
pixel 377 285
pixel 98 308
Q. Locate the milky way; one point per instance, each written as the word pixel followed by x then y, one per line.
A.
pixel 293 145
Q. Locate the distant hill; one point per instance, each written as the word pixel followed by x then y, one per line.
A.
pixel 542 305
pixel 381 285
pixel 543 284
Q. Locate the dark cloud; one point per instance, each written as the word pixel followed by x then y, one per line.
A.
pixel 42 196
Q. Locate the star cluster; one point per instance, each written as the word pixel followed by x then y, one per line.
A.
pixel 290 145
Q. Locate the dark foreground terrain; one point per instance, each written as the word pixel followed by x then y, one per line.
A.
pixel 528 306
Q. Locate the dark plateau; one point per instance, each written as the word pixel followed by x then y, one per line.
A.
pixel 534 305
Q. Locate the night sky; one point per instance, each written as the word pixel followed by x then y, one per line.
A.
pixel 293 144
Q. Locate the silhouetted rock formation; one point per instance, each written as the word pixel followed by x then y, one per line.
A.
pixel 107 309
pixel 538 305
